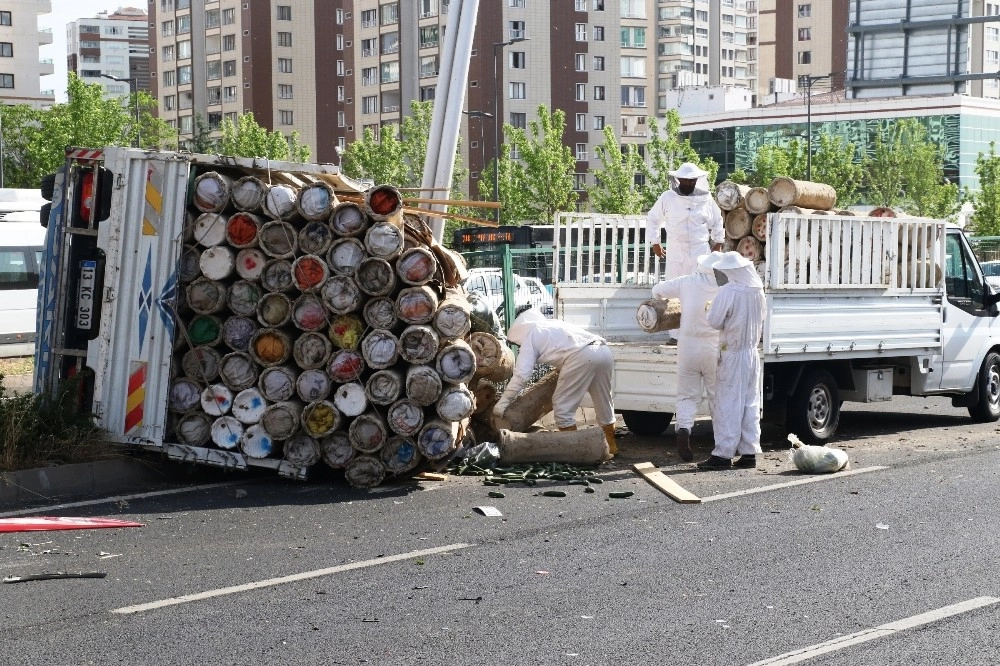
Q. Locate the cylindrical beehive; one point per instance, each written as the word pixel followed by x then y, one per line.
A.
pixel 206 296
pixel 227 431
pixel 315 238
pixel 238 331
pixel 250 263
pixel 194 428
pixel 346 365
pixel 376 277
pixel 247 194
pixel 277 276
pixel 345 255
pixel 437 439
pixel 243 296
pixel 210 229
pixel 279 202
pixel 242 229
pixel 302 450
pixel 756 200
pixel 270 346
pixel 380 349
pixel 364 471
pixel 368 432
pixel 787 192
pixel 400 455
pixel 737 223
pixel 216 400
pixel 278 384
pixel 456 362
pixel 416 266
pixel 309 272
pixel 345 331
pixel 350 399
pixel 381 313
pixel 278 239
pixel 211 192
pixel 320 418
pixel 729 195
pixel 750 248
pixel 184 395
pixel 348 220
pixel 385 386
pixel 202 363
pixel 282 420
pixel 238 371
pixel 384 204
pixel 316 201
pixel 311 350
pixel 456 403
pixel 341 295
pixel 416 305
pixel 308 313
pixel 384 240
pixel 312 385
pixel 274 309
pixel 423 385
pixel 337 449
pixel 405 417
pixel 256 443
pixel 248 406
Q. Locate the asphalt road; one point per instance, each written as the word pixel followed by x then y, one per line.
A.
pixel 742 578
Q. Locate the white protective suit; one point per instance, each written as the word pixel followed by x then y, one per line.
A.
pixel 584 361
pixel 738 313
pixel 697 342
pixel 693 224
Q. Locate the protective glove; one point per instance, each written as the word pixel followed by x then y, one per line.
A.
pixel 500 408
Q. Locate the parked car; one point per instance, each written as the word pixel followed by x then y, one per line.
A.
pixel 991 270
pixel 488 283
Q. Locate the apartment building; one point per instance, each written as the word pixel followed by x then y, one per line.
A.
pixel 802 41
pixel 21 68
pixel 111 50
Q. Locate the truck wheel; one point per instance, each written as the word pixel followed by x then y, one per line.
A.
pixel 987 409
pixel 647 423
pixel 47 186
pixel 814 410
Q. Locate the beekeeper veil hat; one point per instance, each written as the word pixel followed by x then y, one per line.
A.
pixel 690 171
pixel 707 263
pixel 522 325
pixel 739 270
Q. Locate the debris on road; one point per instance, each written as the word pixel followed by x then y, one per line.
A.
pixel 46 523
pixel 665 484
pixel 56 575
pixel 816 459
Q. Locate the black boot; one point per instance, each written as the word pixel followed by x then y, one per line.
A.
pixel 746 461
pixel 715 462
pixel 684 444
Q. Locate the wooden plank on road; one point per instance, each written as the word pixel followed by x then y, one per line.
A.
pixel 665 484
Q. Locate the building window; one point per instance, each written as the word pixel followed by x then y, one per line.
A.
pixel 229 68
pixel 805 11
pixel 341 118
pixel 167 53
pixel 285 65
pixel 184 75
pixel 581 32
pixel 581 152
pixel 229 94
pixel 390 42
pixel 579 181
pixel 518 90
pixel 519 120
pixel 167 29
pixel 215 95
pixel 390 72
pixel 339 17
pixel 286 118
pixel 168 102
pixel 993 34
pixel 369 76
pixel 805 34
pixel 598 33
pixel 598 122
pixel 517 60
pixel 169 78
pixel 340 68
pixel 427 93
pixel 516 30
pixel 184 49
pixel 581 92
pixel 284 12
pixel 228 16
pixel 805 57
pixel 212 18
pixel 581 5
pixel 340 93
pixel 166 5
pixel 214 120
pixel 213 44
pixel 369 18
pixel 633 38
pixel 369 104
pixel 213 70
pixel 581 62
pixel 581 122
pixel 186 124
pixel 368 47
pixel 598 63
pixel 516 3
pixel 390 13
pixel 428 66
pixel 633 96
pixel 598 92
pixel 429 8
pixel 428 36
pixel 183 24
pixel 284 39
pixel 5 20
pixel 229 42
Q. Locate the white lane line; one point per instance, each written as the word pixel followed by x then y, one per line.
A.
pixel 841 642
pixel 788 484
pixel 46 510
pixel 305 575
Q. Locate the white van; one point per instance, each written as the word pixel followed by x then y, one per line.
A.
pixel 21 241
pixel 488 283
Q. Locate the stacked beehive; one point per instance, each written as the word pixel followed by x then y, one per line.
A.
pixel 313 327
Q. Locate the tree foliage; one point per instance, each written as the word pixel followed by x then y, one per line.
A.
pixel 615 191
pixel 247 138
pixel 834 163
pixel 664 153
pixel 548 185
pixel 985 220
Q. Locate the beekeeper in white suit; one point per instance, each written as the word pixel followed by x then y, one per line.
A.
pixel 697 345
pixel 738 313
pixel 584 362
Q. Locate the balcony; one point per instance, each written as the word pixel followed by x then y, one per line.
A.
pixel 44 36
pixel 46 67
pixel 44 6
pixel 390 109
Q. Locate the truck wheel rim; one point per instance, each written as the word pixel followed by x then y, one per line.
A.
pixel 993 385
pixel 819 407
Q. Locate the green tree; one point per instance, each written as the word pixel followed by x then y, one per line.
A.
pixel 772 161
pixel 246 138
pixel 548 166
pixel 665 151
pixel 397 155
pixel 835 163
pixel 615 191
pixel 985 219
pixel 202 141
pixel 512 186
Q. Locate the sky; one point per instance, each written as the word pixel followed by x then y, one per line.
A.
pixel 63 12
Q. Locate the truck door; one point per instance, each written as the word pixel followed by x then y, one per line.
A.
pixel 967 322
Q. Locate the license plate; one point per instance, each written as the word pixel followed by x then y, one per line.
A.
pixel 85 301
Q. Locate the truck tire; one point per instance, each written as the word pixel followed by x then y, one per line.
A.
pixel 814 410
pixel 647 423
pixel 47 186
pixel 987 409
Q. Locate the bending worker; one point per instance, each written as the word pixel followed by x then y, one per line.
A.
pixel 697 345
pixel 584 362
pixel 738 313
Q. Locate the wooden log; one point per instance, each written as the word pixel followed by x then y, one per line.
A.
pixel 206 296
pixel 194 428
pixel 256 443
pixel 311 350
pixel 738 223
pixel 380 349
pixel 189 265
pixel 274 310
pixel 216 400
pixel 250 263
pixel 400 455
pixel 416 305
pixel 345 255
pixel 309 313
pixel 309 272
pixel 283 419
pixel 423 385
pixel 346 365
pixel 456 362
pixel 278 239
pixel 761 268
pixel 243 296
pixel 279 202
pixel 494 359
pixel 376 277
pixel 242 230
pixel 217 263
pixel 759 227
pixel 751 248
pixel 729 245
pixel 315 238
pixel 405 417
pixel 212 191
pixel 416 266
pixel 530 405
pixel 364 471
pixel 756 201
pixel 204 330
pixel 453 317
pixel 346 331
pixel 350 399
pixel 655 315
pixel 808 194
pixel 277 384
pixel 227 432
pixel 210 229
pixel 385 386
pixel 320 418
pixel 729 195
pixel 201 363
pixel 585 446
pixel 796 210
pixel 247 194
pixel 316 201
pixel 270 346
pixel 381 313
pixel 349 220
pixel 384 240
pixel 337 450
pixel 341 295
pixel 277 276
pixel 384 203
pixel 302 450
pixel 437 439
pixel 238 371
pixel 312 385
pixel 184 395
pixel 368 432
pixel 419 344
pixel 456 403
pixel 882 211
pixel 248 406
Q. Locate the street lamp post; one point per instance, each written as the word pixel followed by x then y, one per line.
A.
pixel 340 157
pixel 482 131
pixel 497 47
pixel 810 80
pixel 133 86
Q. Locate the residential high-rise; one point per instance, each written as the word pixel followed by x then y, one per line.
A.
pixel 110 45
pixel 800 41
pixel 20 66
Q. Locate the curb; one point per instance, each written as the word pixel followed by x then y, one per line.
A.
pixel 31 486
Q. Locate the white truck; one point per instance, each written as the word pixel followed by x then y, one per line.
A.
pixel 858 309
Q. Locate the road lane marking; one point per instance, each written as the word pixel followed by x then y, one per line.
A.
pixel 45 510
pixel 841 642
pixel 788 484
pixel 293 578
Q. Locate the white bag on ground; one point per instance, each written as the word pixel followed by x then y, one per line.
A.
pixel 816 459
